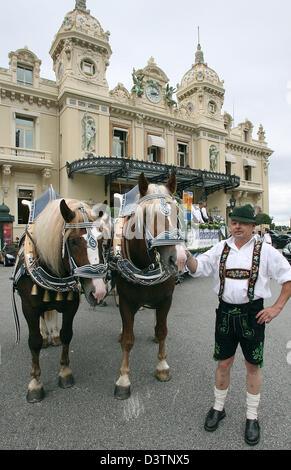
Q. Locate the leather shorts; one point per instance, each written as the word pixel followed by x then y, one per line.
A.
pixel 237 324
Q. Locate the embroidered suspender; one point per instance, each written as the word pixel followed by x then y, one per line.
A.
pixel 251 275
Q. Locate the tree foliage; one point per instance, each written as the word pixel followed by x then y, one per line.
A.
pixel 263 219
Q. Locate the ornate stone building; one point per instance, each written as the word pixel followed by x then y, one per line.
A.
pixel 89 141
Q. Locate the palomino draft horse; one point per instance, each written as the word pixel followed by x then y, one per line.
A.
pixel 151 250
pixel 67 245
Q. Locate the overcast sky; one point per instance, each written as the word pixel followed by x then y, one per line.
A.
pixel 247 43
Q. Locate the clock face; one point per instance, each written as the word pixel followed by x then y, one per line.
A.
pixel 153 93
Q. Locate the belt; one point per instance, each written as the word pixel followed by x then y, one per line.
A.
pixel 235 309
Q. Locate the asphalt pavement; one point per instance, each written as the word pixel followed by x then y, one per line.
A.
pixel 158 416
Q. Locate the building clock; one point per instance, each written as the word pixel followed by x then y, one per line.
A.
pixel 153 93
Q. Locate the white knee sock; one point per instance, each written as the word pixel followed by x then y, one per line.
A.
pixel 252 405
pixel 220 396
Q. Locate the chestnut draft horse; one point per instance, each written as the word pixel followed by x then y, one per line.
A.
pixel 152 249
pixel 67 245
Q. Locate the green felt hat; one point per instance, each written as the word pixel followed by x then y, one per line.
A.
pixel 244 214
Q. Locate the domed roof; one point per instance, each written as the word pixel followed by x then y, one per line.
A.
pixel 200 72
pixel 80 25
pixel 80 20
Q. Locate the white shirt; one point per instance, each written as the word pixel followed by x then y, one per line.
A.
pixel 272 265
pixel 204 213
pixel 196 215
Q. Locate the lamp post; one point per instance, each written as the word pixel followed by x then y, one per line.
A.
pixel 232 201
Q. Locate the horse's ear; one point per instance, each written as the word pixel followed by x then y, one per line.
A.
pixel 143 184
pixel 172 183
pixel 66 212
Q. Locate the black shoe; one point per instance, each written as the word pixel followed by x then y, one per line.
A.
pixel 212 419
pixel 252 432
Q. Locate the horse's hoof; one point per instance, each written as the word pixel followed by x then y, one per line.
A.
pixel 121 393
pixel 34 396
pixel 163 375
pixel 67 381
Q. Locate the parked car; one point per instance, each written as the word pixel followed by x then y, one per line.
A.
pixel 279 240
pixel 8 254
pixel 286 252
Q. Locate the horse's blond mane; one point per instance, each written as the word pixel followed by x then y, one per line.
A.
pixel 48 232
pixel 152 206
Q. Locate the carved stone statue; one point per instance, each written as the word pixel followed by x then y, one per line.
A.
pixel 213 158
pixel 88 133
pixel 137 88
pixel 261 134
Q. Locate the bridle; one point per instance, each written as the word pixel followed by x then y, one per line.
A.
pixel 88 270
pixel 167 237
pixel 157 272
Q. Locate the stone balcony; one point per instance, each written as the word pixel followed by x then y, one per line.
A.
pixel 25 158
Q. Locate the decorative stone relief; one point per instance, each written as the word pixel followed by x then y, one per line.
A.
pixel 213 158
pixel 6 171
pixel 266 163
pixel 46 175
pixel 120 93
pixel 88 133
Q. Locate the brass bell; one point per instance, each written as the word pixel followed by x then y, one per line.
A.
pixel 34 290
pixel 59 297
pixel 70 295
pixel 46 297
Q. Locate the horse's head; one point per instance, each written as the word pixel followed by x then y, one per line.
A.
pixel 158 219
pixel 87 236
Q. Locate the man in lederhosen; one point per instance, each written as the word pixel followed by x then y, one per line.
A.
pixel 241 268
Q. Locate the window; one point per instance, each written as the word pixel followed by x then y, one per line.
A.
pixel 88 67
pixel 24 75
pixel 24 132
pixel 182 154
pixel 22 209
pixel 248 173
pixel 228 168
pixel 246 135
pixel 154 155
pixel 212 107
pixel 119 143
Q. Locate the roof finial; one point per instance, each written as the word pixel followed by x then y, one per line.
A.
pixel 199 59
pixel 81 5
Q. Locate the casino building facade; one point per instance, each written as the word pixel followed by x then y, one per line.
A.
pixel 89 141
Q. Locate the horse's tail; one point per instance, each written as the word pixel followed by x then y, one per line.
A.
pixel 15 314
pixel 17 274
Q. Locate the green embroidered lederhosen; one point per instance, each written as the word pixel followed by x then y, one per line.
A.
pixel 237 323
